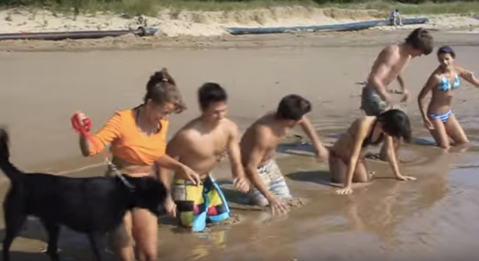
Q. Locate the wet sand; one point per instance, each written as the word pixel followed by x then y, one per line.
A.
pixel 430 219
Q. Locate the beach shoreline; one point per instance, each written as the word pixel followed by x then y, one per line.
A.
pixel 457 36
pixel 204 30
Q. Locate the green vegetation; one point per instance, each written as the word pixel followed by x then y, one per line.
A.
pixel 149 7
pixel 423 7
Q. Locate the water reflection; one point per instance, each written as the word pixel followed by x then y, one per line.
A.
pixel 213 240
pixel 386 219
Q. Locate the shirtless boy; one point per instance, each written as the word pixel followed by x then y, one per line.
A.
pixel 389 65
pixel 258 146
pixel 199 145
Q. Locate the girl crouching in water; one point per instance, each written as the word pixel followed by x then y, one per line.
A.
pixel 346 158
pixel 138 141
pixel 440 120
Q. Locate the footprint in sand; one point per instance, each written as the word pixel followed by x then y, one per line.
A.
pixel 294 203
pixel 376 157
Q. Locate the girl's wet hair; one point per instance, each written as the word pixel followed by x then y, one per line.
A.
pixel 446 50
pixel 396 124
pixel 161 89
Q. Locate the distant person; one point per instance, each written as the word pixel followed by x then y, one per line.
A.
pixel 389 65
pixel 439 119
pixel 200 145
pixel 258 146
pixel 395 18
pixel 346 158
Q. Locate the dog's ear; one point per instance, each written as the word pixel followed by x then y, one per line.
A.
pixel 4 142
pixel 4 137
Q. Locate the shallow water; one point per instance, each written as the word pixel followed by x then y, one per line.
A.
pixel 432 218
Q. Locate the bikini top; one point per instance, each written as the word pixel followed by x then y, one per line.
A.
pixel 445 84
pixel 368 140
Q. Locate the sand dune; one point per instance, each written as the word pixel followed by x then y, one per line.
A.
pixel 191 23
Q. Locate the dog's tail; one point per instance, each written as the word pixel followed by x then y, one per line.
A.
pixel 5 165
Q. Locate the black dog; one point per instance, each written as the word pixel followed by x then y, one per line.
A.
pixel 93 206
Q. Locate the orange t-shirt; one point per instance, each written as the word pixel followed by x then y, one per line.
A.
pixel 127 143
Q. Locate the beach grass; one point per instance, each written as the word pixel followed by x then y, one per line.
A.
pixel 151 7
pixel 456 7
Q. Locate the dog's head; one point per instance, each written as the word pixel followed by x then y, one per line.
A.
pixel 150 194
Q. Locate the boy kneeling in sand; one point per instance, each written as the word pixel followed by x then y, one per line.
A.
pixel 258 146
pixel 199 145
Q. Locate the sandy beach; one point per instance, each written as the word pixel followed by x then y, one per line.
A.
pixel 208 29
pixel 174 23
pixel 432 218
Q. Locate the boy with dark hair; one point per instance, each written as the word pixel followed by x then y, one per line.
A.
pixel 293 107
pixel 200 145
pixel 211 93
pixel 389 65
pixel 258 146
pixel 420 40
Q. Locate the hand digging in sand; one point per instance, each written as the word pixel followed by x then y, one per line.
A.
pixel 258 146
pixel 199 144
pixel 346 159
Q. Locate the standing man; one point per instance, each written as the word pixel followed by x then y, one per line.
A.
pixel 389 65
pixel 258 147
pixel 200 144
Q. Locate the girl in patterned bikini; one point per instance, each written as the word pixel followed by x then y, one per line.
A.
pixel 439 119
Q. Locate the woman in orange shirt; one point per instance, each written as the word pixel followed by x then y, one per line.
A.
pixel 138 141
